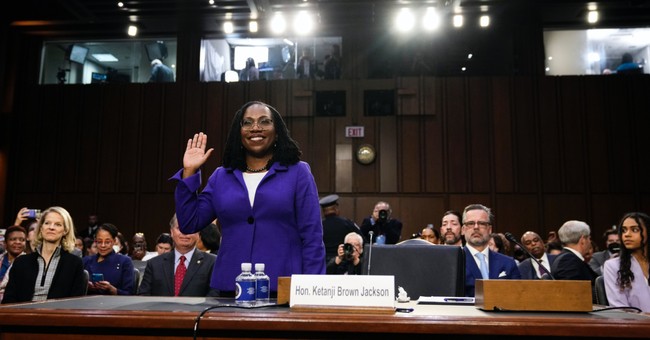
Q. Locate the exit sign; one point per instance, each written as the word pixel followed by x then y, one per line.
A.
pixel 354 131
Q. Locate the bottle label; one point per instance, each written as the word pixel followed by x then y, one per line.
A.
pixel 245 291
pixel 263 289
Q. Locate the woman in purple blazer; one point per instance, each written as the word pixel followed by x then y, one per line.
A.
pixel 264 197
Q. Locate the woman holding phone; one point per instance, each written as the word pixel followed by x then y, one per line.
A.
pixel 51 271
pixel 110 273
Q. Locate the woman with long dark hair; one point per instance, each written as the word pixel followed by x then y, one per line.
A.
pixel 626 276
pixel 263 195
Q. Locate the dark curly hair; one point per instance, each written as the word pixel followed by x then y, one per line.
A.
pixel 285 149
pixel 625 275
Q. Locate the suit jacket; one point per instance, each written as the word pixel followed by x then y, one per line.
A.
pixel 568 266
pixel 501 267
pixel 68 280
pixel 598 260
pixel 392 229
pixel 283 229
pixel 528 271
pixel 158 279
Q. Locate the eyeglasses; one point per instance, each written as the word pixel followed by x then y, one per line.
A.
pixel 263 124
pixel 105 242
pixel 480 224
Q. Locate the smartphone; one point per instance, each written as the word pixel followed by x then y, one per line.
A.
pixel 98 277
pixel 34 213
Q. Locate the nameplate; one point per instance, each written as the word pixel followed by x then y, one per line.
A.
pixel 343 290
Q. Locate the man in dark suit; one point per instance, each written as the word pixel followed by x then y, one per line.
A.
pixel 570 264
pixel 612 246
pixel 477 227
pixel 159 275
pixel 335 227
pixel 385 229
pixel 528 268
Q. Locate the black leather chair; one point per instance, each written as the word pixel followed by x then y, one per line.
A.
pixel 421 269
pixel 601 295
pixel 137 278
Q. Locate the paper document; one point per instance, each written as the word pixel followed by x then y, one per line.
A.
pixel 446 300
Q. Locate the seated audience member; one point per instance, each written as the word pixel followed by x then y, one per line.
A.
pixel 16 238
pixel 554 247
pixel 480 261
pixel 116 268
pixel 121 244
pixel 612 247
pixel 164 244
pixel 335 227
pixel 139 248
pixel 90 248
pixel 186 271
pixel 450 228
pixel 386 230
pixel 498 243
pixel 79 247
pixel 348 259
pixel 209 239
pixel 51 271
pixel 570 264
pixel 30 224
pixel 626 276
pixel 529 269
pixel 430 234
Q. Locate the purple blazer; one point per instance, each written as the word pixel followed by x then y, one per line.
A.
pixel 283 229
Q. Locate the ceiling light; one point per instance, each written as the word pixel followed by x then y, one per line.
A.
pixel 404 20
pixel 228 27
pixel 132 31
pixel 431 20
pixel 484 21
pixel 278 23
pixel 303 23
pixel 592 17
pixel 288 42
pixel 120 4
pixel 252 26
pixel 458 20
pixel 105 58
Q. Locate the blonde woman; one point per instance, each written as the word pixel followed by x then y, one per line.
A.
pixel 51 271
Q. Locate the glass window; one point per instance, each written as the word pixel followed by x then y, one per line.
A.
pixel 114 61
pixel 597 51
pixel 273 58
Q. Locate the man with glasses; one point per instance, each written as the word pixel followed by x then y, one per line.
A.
pixel 480 262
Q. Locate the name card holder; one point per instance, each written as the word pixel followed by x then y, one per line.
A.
pixel 339 293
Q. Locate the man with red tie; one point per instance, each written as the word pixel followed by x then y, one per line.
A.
pixel 186 271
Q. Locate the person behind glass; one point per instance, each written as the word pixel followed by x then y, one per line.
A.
pixel 51 271
pixel 450 228
pixel 348 258
pixel 386 230
pixel 307 67
pixel 116 268
pixel 332 64
pixel 161 73
pixel 16 238
pixel 335 227
pixel 430 234
pixel 628 66
pixel 264 197
pixel 626 276
pixel 250 72
pixel 529 269
pixel 480 261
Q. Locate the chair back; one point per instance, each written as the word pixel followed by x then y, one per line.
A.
pixel 136 280
pixel 601 295
pixel 421 269
pixel 86 278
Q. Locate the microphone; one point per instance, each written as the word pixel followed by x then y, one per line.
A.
pixel 512 239
pixel 369 251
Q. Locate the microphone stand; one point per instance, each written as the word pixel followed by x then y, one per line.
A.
pixel 512 239
pixel 369 251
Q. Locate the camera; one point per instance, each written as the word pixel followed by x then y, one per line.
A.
pixel 34 213
pixel 383 216
pixel 348 250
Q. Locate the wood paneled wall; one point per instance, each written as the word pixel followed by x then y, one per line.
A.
pixel 538 150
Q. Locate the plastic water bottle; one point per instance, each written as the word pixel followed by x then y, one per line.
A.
pixel 245 286
pixel 381 239
pixel 262 290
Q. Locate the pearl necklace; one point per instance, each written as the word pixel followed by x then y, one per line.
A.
pixel 255 170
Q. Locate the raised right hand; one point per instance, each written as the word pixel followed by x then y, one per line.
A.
pixel 195 154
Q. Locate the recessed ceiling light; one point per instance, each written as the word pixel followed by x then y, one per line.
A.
pixel 105 57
